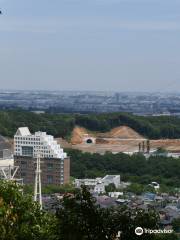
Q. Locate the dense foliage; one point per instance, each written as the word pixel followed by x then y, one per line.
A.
pixel 88 221
pixel 61 125
pixel 78 217
pixel 20 217
pixel 50 189
pixel 135 168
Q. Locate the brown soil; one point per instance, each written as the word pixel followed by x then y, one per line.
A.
pixel 78 134
pixel 101 141
pixel 172 145
pixel 122 132
pixel 63 143
pixel 120 139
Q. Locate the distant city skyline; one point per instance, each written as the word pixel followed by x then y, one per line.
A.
pixel 95 45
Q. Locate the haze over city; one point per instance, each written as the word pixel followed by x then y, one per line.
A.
pixel 120 45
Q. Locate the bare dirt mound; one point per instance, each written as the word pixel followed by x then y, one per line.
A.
pixel 119 139
pixel 78 134
pixel 125 133
pixel 122 132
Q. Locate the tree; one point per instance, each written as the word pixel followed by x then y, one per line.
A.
pixel 135 188
pixel 149 188
pixel 20 217
pixel 78 217
pixel 81 218
pixel 172 236
pixel 110 188
pixel 176 225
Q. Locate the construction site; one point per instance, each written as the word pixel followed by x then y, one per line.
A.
pixel 119 139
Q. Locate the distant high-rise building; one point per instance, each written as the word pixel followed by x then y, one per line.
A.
pixel 55 164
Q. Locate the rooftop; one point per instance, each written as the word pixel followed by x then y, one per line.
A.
pixel 23 131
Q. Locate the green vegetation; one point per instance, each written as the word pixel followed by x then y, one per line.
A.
pixel 58 125
pixel 50 189
pixel 110 188
pixel 79 218
pixel 61 125
pixel 20 217
pixel 139 188
pixel 176 225
pixel 135 188
pixel 135 168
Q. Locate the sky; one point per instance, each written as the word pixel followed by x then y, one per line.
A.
pixel 103 45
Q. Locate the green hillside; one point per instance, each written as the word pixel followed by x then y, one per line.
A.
pixel 63 124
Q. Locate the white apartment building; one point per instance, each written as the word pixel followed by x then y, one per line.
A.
pixel 55 163
pixel 31 145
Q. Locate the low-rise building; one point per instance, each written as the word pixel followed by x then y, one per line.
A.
pixel 90 183
pixel 115 179
pixel 115 194
pixel 99 188
pixel 98 185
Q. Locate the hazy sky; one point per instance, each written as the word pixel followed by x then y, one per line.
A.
pixel 116 45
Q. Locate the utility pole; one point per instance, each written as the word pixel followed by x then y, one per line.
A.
pixel 37 187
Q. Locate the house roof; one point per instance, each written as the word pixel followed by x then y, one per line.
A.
pixel 105 201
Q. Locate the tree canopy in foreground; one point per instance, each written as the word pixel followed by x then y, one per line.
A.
pixel 78 217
